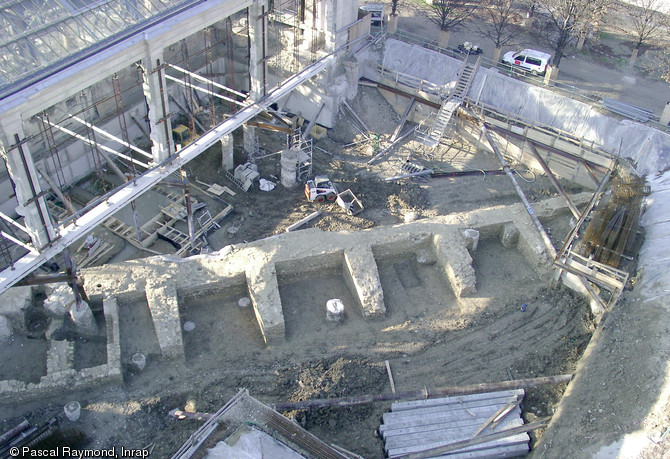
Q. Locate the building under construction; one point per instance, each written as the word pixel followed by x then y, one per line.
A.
pixel 474 225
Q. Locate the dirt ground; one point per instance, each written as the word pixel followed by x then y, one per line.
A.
pixel 430 337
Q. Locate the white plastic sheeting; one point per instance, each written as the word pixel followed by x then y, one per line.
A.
pixel 646 147
pixel 252 445
pixel 654 256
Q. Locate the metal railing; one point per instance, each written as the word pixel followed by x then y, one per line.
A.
pixel 564 89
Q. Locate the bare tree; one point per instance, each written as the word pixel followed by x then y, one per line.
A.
pixel 502 17
pixel 568 18
pixel 448 15
pixel 644 21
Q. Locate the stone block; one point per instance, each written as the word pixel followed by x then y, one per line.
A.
pixel 14 302
pixel 264 293
pixel 509 235
pixel 454 258
pixel 5 331
pixel 60 356
pixel 111 310
pixel 83 319
pixel 362 276
pixel 59 301
pixel 162 300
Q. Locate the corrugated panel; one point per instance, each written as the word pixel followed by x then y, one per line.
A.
pixel 426 424
pixel 627 110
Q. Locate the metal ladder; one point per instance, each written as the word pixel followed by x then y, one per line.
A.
pixel 449 105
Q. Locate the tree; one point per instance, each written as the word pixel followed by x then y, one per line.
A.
pixel 448 15
pixel 568 18
pixel 644 22
pixel 502 17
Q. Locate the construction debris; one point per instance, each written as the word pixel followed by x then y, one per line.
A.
pixel 244 414
pixel 308 218
pixel 348 201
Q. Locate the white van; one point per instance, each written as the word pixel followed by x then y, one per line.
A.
pixel 530 60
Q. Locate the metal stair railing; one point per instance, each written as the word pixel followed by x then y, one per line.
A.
pixel 450 104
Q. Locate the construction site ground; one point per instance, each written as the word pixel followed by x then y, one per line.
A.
pixel 430 337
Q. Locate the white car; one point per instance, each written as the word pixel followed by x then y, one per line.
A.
pixel 529 60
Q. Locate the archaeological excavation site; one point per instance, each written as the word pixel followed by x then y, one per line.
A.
pixel 290 229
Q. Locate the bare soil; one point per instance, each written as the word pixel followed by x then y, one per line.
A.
pixel 430 337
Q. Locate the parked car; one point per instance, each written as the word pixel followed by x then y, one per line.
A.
pixel 529 60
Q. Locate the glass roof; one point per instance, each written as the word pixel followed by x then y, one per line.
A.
pixel 38 35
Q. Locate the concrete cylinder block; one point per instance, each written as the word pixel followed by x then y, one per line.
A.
pixel 289 166
pixel 139 360
pixel 72 411
pixel 244 302
pixel 334 310
pixel 471 239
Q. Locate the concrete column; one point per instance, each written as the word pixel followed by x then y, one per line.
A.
pixel 155 94
pixel 258 49
pixel 21 169
pixel 665 116
pixel 551 75
pixel 249 138
pixel 352 73
pixel 227 161
pixel 443 38
pixel 393 24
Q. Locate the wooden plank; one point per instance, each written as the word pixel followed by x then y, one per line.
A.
pixel 299 223
pixel 388 370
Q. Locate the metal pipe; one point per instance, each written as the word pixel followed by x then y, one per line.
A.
pixel 14 431
pixel 553 180
pixel 38 204
pixel 14 223
pixel 393 144
pixel 206 91
pixel 412 174
pixel 526 203
pixel 195 76
pixel 421 394
pixel 90 142
pixel 111 136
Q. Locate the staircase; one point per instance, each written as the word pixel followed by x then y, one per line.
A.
pixel 432 137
